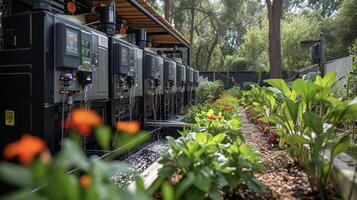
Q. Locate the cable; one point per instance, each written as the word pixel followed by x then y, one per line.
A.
pixel 63 123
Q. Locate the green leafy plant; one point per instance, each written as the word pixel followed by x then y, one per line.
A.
pixel 208 165
pixel 208 91
pixel 211 154
pixel 306 117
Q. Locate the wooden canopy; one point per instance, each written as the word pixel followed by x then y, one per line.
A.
pixel 141 14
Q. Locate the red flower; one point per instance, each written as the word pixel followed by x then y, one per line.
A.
pixel 83 121
pixel 212 117
pixel 131 127
pixel 25 149
pixel 228 108
pixel 85 181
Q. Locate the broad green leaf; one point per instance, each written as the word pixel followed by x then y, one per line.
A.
pixel 140 186
pixel 327 81
pixel 210 112
pixel 305 89
pixel 256 185
pixel 91 193
pixel 218 138
pixel 22 195
pixel 184 185
pixel 195 194
pixel 62 185
pixel 103 136
pixel 248 153
pixel 253 183
pixel 314 122
pixel 280 85
pixel 201 137
pixel 167 191
pixel 202 182
pixel 293 108
pixel 214 193
pixel 72 156
pixel 341 146
pixel 166 171
pixel 15 175
pixel 297 139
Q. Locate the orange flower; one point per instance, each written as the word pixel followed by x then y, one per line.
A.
pixel 85 181
pixel 212 117
pixel 83 121
pixel 25 149
pixel 131 127
pixel 228 108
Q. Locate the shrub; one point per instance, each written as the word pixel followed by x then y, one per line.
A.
pixel 236 63
pixel 306 117
pixel 208 91
pixel 211 154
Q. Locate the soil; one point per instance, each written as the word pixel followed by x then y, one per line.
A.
pixel 284 179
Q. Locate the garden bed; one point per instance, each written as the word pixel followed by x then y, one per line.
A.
pixel 284 180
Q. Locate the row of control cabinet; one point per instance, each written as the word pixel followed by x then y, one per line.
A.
pixel 51 65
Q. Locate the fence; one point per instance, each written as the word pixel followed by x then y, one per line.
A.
pixel 234 78
pixel 342 66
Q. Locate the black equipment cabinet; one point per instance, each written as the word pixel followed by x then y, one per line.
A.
pixel 49 65
pixel 124 85
pixel 169 84
pixel 153 85
pixel 180 87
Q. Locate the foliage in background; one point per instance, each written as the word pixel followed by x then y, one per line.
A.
pixel 238 63
pixel 234 27
pixel 208 91
pixel 294 28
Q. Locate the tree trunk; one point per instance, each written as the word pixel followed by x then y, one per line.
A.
pixel 168 10
pixel 275 8
pixel 210 52
pixel 192 27
pixel 198 56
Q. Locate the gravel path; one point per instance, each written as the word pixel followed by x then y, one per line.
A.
pixel 138 162
pixel 283 179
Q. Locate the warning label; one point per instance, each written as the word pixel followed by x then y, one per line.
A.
pixel 9 118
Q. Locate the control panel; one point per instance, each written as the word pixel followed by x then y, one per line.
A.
pixel 196 78
pixel 169 76
pixel 81 60
pixel 123 68
pixel 189 78
pixel 138 66
pixel 181 77
pixel 154 66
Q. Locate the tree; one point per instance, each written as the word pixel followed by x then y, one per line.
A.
pixel 255 45
pixel 275 9
pixel 236 63
pixel 296 28
pixel 168 10
pixel 326 7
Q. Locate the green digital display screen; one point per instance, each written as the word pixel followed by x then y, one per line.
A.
pixel 71 42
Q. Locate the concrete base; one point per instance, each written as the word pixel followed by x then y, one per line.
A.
pixel 344 175
pixel 149 176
